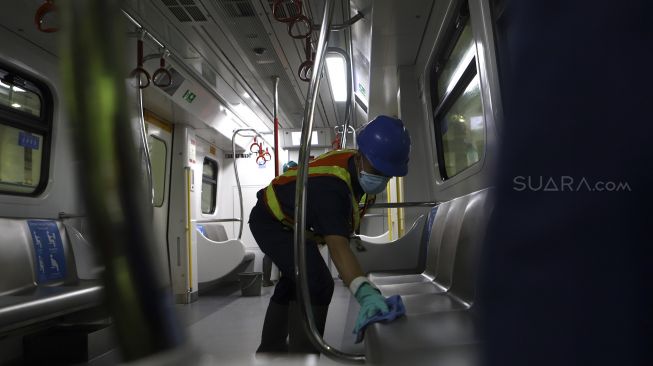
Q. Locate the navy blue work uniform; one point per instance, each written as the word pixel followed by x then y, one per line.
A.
pixel 328 212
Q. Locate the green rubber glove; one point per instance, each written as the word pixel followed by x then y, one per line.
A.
pixel 371 303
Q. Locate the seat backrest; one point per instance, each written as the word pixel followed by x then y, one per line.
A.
pixel 469 245
pixel 450 236
pixel 435 239
pixel 34 252
pixel 216 232
pixel 425 240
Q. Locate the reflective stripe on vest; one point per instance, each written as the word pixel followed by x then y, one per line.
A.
pixel 331 164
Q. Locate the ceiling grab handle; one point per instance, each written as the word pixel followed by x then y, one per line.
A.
pixel 240 188
pixel 95 97
pixel 301 283
pixel 46 8
pixel 139 70
pixel 350 86
pixel 162 72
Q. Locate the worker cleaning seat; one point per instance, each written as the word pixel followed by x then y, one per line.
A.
pixel 437 323
pixel 41 280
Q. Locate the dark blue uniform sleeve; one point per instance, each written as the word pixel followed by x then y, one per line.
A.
pixel 329 207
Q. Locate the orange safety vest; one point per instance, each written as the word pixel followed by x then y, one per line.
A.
pixel 331 164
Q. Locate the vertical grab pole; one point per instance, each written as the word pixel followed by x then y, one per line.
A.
pixel 301 284
pixel 276 126
pixel 240 190
pixel 348 103
pixel 351 121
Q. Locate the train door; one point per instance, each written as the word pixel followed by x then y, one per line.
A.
pixel 159 140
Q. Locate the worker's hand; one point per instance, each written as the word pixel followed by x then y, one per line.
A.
pixel 371 303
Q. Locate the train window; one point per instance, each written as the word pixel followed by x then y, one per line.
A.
pixel 462 129
pixel 19 95
pixel 453 69
pixel 158 152
pixel 209 185
pixel 25 120
pixel 21 153
pixel 455 89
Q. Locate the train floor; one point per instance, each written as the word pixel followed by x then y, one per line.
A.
pixel 225 328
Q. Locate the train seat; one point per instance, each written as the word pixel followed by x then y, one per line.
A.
pixel 435 320
pixel 400 255
pixel 217 255
pixel 430 243
pixel 40 279
pixel 421 271
pixel 442 246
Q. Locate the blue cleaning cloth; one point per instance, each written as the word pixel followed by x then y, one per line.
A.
pixel 397 309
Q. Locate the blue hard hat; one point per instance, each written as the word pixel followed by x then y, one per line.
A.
pixel 288 165
pixel 385 143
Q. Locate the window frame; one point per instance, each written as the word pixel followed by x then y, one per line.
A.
pixel 214 184
pixel 441 104
pixel 24 121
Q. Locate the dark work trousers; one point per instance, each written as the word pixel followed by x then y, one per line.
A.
pixel 276 241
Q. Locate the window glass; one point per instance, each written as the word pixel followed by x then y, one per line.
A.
pixel 20 160
pixel 158 151
pixel 463 130
pixel 20 98
pixel 463 52
pixel 209 185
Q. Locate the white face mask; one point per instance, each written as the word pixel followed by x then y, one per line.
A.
pixel 372 183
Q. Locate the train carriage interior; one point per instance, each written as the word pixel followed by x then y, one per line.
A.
pixel 136 137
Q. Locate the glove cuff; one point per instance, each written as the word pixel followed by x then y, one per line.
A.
pixel 357 282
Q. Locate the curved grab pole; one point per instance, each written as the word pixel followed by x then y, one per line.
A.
pixel 146 147
pixel 344 25
pixel 350 86
pixel 240 189
pixel 301 286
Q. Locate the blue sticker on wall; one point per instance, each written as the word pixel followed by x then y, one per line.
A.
pixel 50 256
pixel 201 229
pixel 27 140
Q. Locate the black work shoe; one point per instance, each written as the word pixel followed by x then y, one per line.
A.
pixel 275 329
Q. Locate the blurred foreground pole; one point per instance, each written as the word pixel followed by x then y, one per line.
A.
pixel 567 269
pixel 92 58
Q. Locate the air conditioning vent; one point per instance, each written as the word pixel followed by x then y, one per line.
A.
pixel 196 13
pixel 237 8
pixel 180 14
pixel 185 10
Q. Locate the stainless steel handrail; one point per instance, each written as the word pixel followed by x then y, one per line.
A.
pixel 301 284
pixel 146 147
pixel 402 204
pixel 240 189
pixel 93 74
pixel 216 220
pixel 352 98
pixel 350 83
pixel 344 25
